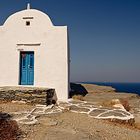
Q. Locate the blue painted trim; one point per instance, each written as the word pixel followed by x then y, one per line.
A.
pixel 26 68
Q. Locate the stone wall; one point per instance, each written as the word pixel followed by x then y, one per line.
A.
pixel 26 94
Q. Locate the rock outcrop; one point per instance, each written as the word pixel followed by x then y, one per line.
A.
pixel 91 88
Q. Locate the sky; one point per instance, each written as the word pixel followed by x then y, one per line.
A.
pixel 104 35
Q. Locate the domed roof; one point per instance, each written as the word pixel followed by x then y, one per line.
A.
pixel 28 14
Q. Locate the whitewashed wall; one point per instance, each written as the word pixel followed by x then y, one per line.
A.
pixel 50 47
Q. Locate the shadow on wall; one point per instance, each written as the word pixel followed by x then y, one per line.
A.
pixel 77 89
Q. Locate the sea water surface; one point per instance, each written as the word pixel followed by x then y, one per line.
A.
pixel 121 87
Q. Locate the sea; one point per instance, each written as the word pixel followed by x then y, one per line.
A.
pixel 121 87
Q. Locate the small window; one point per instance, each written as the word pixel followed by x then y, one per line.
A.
pixel 27 23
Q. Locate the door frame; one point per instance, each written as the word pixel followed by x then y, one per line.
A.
pixel 20 67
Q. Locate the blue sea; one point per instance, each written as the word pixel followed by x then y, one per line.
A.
pixel 122 87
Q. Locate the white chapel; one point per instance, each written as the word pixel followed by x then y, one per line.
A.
pixel 34 52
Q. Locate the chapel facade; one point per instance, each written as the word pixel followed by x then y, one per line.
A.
pixel 34 52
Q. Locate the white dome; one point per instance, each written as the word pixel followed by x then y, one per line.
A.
pixel 28 14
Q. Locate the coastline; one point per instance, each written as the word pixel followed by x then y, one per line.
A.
pixel 97 88
pixel 120 87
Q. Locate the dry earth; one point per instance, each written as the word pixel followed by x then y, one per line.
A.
pixel 67 125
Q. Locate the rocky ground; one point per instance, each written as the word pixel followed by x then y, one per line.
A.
pixel 103 115
pixel 9 129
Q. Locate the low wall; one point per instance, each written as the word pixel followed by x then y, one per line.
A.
pixel 29 95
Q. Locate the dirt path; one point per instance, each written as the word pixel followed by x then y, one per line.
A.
pixel 82 107
pixel 74 126
pixel 77 120
pixel 64 124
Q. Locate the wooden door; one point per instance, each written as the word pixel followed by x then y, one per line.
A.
pixel 27 68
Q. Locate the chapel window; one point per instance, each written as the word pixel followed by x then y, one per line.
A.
pixel 27 23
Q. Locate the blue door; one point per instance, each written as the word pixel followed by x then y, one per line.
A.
pixel 26 68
